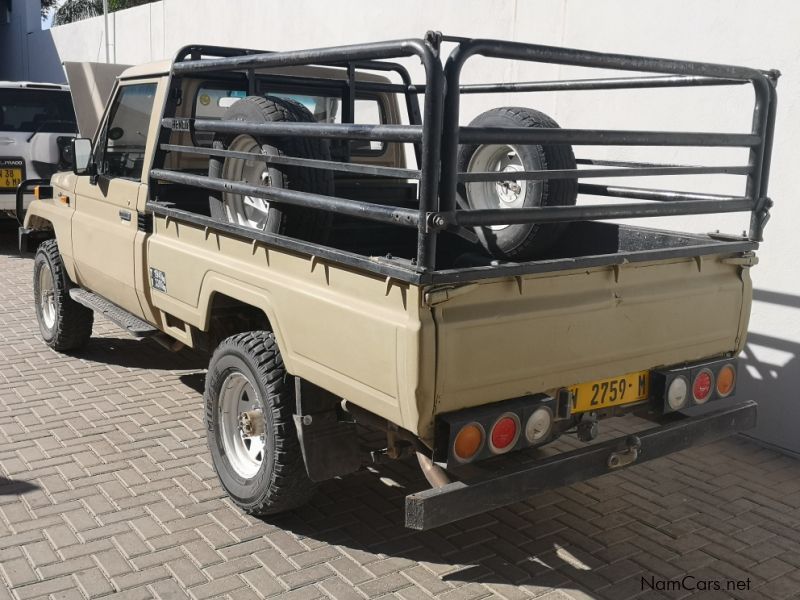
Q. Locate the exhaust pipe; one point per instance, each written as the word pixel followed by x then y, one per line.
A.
pixel 435 474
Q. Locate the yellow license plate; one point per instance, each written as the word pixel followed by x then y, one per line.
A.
pixel 615 391
pixel 10 178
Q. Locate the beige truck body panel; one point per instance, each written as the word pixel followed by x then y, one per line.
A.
pixel 405 352
pixel 510 338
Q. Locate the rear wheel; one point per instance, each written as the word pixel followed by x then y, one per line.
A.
pixel 259 213
pixel 64 324
pixel 516 242
pixel 251 432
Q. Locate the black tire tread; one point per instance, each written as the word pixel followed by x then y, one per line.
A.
pixel 308 224
pixel 73 321
pixel 289 485
pixel 558 192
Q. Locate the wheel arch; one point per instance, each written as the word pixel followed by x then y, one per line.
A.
pixel 221 297
pixel 50 221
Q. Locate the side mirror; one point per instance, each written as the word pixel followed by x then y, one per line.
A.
pixel 81 156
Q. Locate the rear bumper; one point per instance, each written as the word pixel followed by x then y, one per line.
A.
pixel 458 500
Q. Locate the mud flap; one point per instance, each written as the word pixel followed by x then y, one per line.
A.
pixel 330 446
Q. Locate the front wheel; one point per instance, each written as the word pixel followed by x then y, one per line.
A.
pixel 64 324
pixel 249 420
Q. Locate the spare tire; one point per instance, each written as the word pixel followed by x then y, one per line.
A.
pixel 526 241
pixel 259 213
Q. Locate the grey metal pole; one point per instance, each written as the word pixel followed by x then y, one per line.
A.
pixel 105 18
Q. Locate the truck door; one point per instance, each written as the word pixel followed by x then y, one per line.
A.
pixel 105 222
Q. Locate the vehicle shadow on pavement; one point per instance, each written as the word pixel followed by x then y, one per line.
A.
pixel 140 354
pixel 14 487
pixel 519 545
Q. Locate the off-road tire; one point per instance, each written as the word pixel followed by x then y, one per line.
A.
pixel 72 325
pixel 281 483
pixel 524 242
pixel 296 221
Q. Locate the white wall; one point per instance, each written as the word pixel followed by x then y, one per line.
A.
pixel 730 31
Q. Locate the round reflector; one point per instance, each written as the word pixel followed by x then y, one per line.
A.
pixel 504 433
pixel 468 442
pixel 537 429
pixel 677 393
pixel 702 386
pixel 726 378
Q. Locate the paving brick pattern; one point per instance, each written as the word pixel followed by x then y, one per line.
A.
pixel 107 491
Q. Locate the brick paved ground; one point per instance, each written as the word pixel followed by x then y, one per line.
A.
pixel 108 492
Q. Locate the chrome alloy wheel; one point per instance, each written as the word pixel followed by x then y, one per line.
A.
pixel 248 211
pixel 47 300
pixel 508 193
pixel 242 425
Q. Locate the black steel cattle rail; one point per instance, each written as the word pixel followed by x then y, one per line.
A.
pixel 437 134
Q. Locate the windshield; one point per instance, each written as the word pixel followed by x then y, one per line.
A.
pixel 29 110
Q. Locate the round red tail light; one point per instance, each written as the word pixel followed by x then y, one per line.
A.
pixel 702 386
pixel 505 433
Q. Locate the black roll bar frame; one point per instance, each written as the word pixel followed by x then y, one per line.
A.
pixel 437 134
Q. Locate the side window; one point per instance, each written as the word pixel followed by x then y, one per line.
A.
pixel 121 147
pixel 368 111
pixel 214 98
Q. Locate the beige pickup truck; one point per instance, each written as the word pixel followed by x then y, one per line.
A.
pixel 346 257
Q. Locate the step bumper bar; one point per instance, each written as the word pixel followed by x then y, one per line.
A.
pixel 461 499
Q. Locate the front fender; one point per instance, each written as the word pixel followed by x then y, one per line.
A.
pixel 54 217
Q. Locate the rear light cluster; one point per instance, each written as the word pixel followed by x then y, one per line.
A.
pixel 490 432
pixel 697 385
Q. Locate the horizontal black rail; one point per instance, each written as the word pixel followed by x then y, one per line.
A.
pixel 637 193
pixel 320 83
pixel 314 163
pixel 379 265
pixel 603 137
pixel 611 83
pixel 342 131
pixel 408 272
pixel 557 214
pixel 355 208
pixel 591 173
pixel 315 56
pixel 601 162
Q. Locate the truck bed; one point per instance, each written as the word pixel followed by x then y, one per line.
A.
pixel 412 345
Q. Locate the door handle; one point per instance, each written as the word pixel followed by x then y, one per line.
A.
pixel 125 215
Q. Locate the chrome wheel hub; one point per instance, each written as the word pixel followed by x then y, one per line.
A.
pixel 249 211
pixel 242 425
pixel 508 193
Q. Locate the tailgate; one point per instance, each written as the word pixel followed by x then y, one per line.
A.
pixel 512 337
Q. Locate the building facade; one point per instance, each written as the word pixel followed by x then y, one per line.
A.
pixel 28 53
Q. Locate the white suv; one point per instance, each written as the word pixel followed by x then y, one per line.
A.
pixel 37 122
